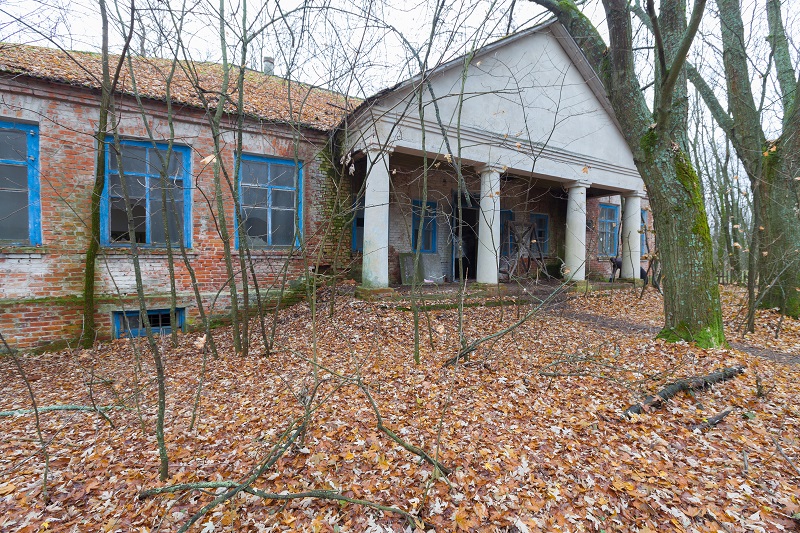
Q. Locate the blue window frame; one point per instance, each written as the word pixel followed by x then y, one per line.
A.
pixel 270 192
pixel 358 226
pixel 608 223
pixel 130 323
pixel 507 237
pixel 643 242
pixel 20 205
pixel 427 217
pixel 141 168
pixel 541 234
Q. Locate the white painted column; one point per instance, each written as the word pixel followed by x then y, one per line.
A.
pixel 631 238
pixel 375 260
pixel 489 225
pixel 575 249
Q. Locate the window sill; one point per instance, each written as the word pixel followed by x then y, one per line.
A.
pixel 277 251
pixel 15 251
pixel 113 251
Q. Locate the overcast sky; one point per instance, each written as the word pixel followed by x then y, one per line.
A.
pixel 327 42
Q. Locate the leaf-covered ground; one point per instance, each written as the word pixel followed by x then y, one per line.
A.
pixel 531 425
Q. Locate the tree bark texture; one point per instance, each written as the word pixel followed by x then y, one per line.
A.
pixel 658 143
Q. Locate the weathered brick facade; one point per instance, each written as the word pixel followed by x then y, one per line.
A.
pixel 41 287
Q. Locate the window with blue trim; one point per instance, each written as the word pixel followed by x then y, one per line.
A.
pixel 607 230
pixel 130 323
pixel 358 226
pixel 270 200
pixel 643 242
pixel 158 183
pixel 20 206
pixel 427 217
pixel 506 235
pixel 541 234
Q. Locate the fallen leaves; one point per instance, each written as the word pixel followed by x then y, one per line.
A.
pixel 530 452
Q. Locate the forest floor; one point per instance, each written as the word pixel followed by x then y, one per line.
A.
pixel 531 425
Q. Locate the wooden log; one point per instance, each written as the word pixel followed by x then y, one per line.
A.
pixel 713 421
pixel 685 384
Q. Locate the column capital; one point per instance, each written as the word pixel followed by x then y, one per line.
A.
pixel 490 167
pixel 578 183
pixel 634 194
pixel 375 146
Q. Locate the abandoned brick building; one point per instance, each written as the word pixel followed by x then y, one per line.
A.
pixel 550 161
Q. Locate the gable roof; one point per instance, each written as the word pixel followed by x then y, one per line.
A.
pixel 267 97
pixel 563 37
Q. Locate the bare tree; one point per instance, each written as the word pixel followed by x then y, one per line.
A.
pixel 658 139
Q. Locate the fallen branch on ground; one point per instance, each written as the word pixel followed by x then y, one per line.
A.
pixel 50 408
pixel 780 451
pixel 686 384
pixel 713 421
pixel 392 435
pixel 319 494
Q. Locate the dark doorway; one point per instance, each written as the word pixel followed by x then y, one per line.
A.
pixel 465 242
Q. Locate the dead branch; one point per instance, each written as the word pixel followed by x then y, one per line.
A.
pixel 67 407
pixel 686 384
pixel 786 457
pixel 285 440
pixel 392 435
pixel 319 494
pixel 713 421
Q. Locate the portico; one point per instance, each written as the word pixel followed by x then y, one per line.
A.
pixel 448 183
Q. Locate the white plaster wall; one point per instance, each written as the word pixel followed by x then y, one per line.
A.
pixel 525 106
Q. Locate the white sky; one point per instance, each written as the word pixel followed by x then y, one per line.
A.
pixel 361 47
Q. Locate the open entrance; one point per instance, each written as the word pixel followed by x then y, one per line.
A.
pixel 465 237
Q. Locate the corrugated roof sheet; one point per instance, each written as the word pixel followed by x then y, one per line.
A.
pixel 266 97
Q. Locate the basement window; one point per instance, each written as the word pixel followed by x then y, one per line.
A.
pixel 130 323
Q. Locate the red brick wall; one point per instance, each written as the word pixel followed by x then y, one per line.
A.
pixel 41 286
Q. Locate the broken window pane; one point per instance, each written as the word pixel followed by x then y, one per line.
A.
pixel 158 159
pixel 14 215
pixel 282 227
pixel 174 211
pixel 118 221
pixel 282 175
pixel 13 177
pixel 254 172
pixel 13 145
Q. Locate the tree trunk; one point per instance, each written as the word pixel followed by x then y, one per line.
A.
pixel 691 294
pixel 658 142
pixel 780 267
